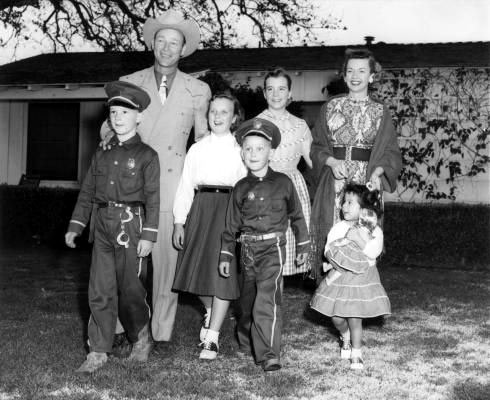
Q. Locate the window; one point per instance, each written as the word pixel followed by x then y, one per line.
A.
pixel 52 140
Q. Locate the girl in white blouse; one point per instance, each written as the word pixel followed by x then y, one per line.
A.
pixel 211 168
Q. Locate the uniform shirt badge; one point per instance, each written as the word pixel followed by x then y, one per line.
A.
pixel 131 163
pixel 251 195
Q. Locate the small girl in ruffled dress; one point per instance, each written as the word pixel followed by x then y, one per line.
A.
pixel 352 289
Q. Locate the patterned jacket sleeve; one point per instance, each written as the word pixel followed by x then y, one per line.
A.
pixel 83 208
pixel 392 159
pixel 321 147
pixel 232 227
pixel 297 220
pixel 152 198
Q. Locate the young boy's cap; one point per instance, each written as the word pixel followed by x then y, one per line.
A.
pixel 259 127
pixel 127 94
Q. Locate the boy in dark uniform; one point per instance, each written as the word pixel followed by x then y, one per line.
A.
pixel 120 196
pixel 261 206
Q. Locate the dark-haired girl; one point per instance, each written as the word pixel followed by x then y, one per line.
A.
pixel 295 143
pixel 352 289
pixel 353 140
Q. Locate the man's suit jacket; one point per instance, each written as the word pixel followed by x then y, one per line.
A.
pixel 166 127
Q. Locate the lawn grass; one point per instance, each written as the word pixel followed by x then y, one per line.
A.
pixel 434 346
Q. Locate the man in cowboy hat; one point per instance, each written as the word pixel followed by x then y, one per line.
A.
pixel 178 102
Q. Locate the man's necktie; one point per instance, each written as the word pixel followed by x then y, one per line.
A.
pixel 163 89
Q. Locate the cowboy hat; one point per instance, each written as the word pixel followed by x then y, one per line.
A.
pixel 172 19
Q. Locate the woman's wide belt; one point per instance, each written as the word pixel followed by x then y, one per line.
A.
pixel 352 153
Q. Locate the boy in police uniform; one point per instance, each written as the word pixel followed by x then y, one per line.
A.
pixel 260 209
pixel 120 196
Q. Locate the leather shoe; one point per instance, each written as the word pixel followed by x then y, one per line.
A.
pixel 271 364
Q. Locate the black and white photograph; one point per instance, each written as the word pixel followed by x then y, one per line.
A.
pixel 245 199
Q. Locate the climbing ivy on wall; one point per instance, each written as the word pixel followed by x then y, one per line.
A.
pixel 442 117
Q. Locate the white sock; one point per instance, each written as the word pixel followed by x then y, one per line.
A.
pixel 212 336
pixel 356 353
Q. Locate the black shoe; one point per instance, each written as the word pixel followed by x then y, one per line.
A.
pixel 121 348
pixel 270 365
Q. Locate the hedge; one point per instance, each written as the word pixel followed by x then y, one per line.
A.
pixel 442 236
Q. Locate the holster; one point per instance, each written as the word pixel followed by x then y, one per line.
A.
pixel 93 215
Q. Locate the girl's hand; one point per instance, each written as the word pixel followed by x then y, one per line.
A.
pixel 224 269
pixel 337 167
pixel 178 236
pixel 355 236
pixel 144 248
pixel 70 239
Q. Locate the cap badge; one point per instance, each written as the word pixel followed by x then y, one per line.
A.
pixel 257 124
pixel 131 163
pixel 251 195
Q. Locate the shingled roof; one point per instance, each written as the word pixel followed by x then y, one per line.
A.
pixel 94 68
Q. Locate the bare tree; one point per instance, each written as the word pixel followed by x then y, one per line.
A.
pixel 117 24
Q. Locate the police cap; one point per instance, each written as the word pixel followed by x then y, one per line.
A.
pixel 127 94
pixel 259 127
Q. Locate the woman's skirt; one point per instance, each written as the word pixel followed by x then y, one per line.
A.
pixel 290 263
pixel 197 264
pixel 352 295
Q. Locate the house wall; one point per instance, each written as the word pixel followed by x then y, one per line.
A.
pixel 306 85
pixel 13 139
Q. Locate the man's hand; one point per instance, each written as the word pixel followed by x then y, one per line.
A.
pixel 301 258
pixel 70 239
pixel 106 134
pixel 224 269
pixel 144 248
pixel 178 236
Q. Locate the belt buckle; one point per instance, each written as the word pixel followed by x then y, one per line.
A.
pixel 348 153
pixel 111 203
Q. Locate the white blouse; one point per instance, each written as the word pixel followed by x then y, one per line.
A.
pixel 373 248
pixel 214 160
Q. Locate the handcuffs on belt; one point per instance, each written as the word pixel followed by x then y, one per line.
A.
pixel 123 237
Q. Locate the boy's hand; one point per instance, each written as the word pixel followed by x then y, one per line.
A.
pixel 224 269
pixel 178 236
pixel 70 239
pixel 301 258
pixel 327 267
pixel 144 248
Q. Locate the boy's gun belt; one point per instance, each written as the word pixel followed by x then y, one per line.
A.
pixel 245 237
pixel 120 204
pixel 351 153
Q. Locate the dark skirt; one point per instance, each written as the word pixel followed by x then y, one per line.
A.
pixel 352 295
pixel 197 264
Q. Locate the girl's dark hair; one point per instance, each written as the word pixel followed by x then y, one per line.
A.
pixel 277 73
pixel 363 54
pixel 370 200
pixel 237 108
